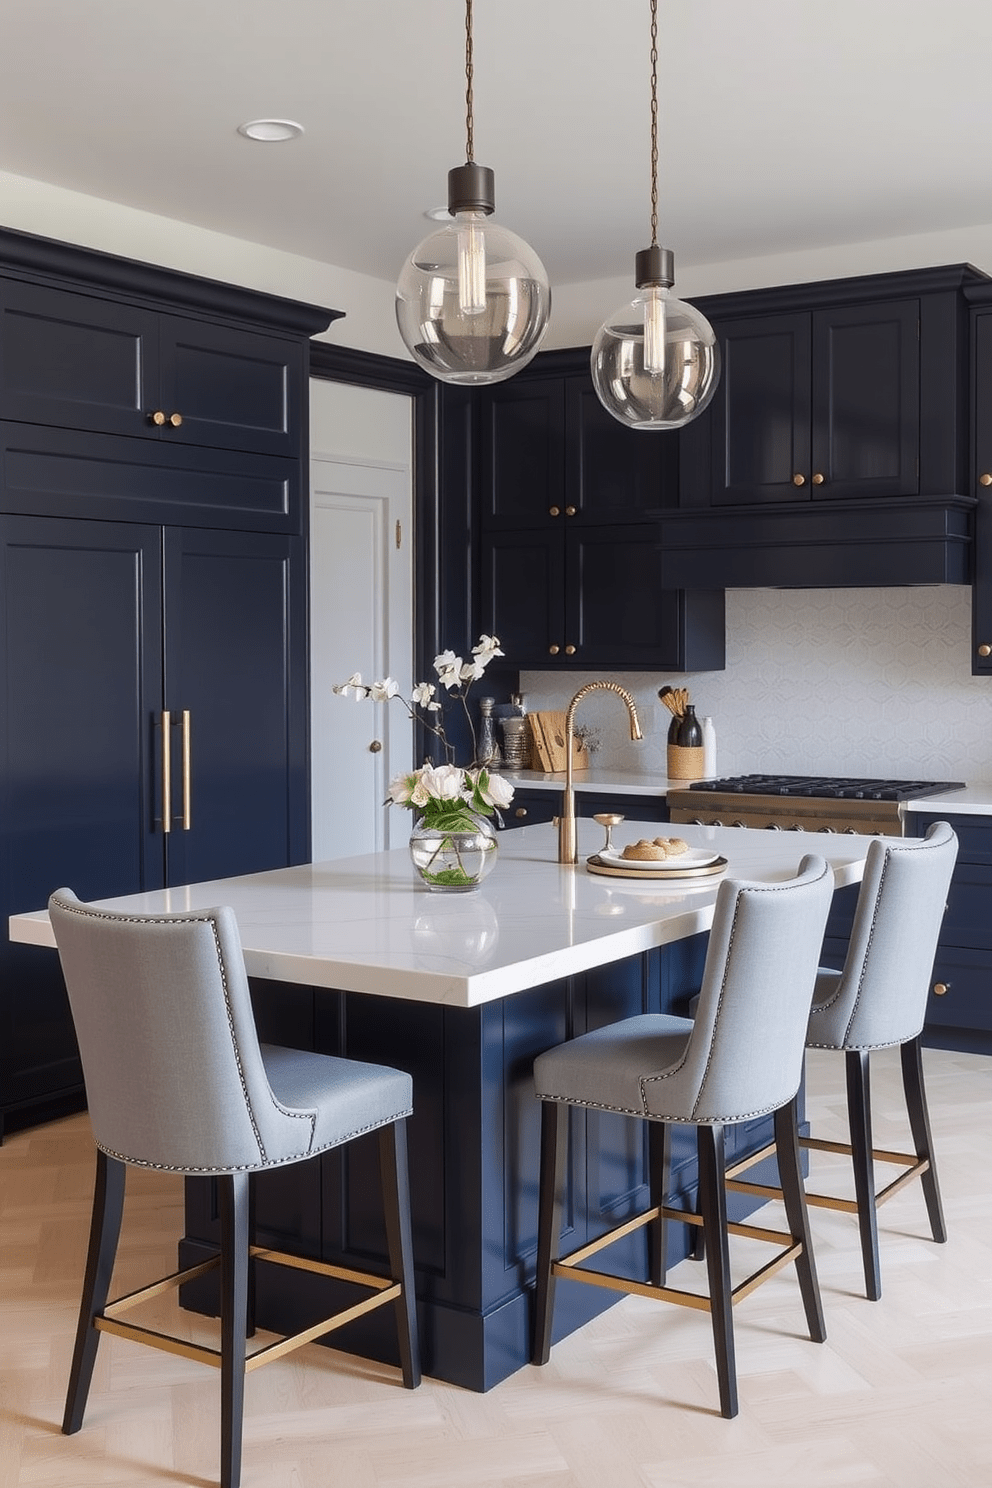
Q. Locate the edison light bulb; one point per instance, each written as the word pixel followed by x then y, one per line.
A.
pixel 654 330
pixel 471 263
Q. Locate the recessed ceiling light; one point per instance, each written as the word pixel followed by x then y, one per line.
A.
pixel 270 130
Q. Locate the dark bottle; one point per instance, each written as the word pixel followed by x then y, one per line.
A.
pixel 690 730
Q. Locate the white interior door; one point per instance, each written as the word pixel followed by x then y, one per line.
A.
pixel 361 621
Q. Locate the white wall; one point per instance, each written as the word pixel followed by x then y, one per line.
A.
pixel 826 681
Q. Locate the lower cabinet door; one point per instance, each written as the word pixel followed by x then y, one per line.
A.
pixel 80 676
pixel 235 688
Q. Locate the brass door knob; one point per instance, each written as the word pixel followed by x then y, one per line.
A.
pixel 553 650
pixel 520 811
pixel 375 747
pixel 569 650
pixel 175 419
pixel 985 650
pixel 798 480
pixel 941 989
pixel 818 479
pixel 570 511
pixel 554 511
pixel 985 479
pixel 157 418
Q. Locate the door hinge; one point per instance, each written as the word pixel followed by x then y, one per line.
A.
pixel 399 534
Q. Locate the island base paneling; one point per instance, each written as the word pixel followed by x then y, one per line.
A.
pixel 474 1160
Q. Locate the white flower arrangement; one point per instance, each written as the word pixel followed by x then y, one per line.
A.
pixel 446 796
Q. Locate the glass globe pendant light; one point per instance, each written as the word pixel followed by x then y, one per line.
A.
pixel 655 363
pixel 472 300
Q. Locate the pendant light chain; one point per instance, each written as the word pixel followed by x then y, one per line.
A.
pixel 469 73
pixel 654 123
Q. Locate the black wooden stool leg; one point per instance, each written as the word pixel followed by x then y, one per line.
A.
pixel 859 1116
pixel 554 1151
pixel 659 1170
pixel 233 1202
pixel 394 1169
pixel 911 1055
pixel 105 1229
pixel 797 1215
pixel 713 1207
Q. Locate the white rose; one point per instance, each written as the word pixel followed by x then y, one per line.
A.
pixel 403 788
pixel 494 790
pixel 444 782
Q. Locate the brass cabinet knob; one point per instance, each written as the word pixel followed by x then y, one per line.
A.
pixel 554 511
pixel 569 650
pixel 176 419
pixel 985 479
pixel 553 650
pixel 985 650
pixel 570 511
pixel 520 811
pixel 798 480
pixel 941 989
pixel 818 479
pixel 157 418
pixel 375 747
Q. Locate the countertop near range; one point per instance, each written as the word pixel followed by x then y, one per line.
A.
pixel 974 800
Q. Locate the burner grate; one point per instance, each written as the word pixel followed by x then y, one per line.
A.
pixel 825 787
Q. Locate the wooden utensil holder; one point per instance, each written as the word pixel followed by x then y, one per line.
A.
pixel 685 764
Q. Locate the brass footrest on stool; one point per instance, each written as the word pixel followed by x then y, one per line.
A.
pixel 383 1288
pixel 915 1167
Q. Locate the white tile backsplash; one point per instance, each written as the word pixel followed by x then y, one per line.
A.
pixel 824 681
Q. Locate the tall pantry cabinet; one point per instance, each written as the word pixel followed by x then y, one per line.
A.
pixel 153 456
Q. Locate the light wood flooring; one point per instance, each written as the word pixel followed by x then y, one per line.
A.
pixel 900 1394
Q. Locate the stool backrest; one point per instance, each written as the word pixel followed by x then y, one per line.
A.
pixel 881 995
pixel 745 1054
pixel 173 1071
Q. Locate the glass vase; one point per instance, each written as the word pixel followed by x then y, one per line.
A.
pixel 453 861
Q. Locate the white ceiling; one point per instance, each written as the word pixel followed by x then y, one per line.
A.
pixel 784 124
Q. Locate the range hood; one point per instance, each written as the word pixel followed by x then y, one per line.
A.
pixel 848 544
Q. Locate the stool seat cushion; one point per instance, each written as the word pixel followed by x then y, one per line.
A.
pixel 337 1098
pixel 609 1068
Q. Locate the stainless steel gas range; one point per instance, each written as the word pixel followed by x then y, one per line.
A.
pixel 803 803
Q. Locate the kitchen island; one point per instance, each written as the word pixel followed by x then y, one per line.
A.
pixel 351 957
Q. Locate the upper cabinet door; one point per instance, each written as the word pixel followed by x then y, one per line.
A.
pixel 981 486
pixel 76 362
pixel 761 410
pixel 613 473
pixel 230 387
pixel 523 434
pixel 866 401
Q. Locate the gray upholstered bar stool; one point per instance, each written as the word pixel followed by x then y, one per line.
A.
pixel 878 1001
pixel 176 1080
pixel 741 1057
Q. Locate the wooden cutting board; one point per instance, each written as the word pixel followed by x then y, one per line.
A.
pixel 548 730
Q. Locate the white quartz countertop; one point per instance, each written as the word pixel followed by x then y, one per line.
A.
pixel 363 924
pixel 974 800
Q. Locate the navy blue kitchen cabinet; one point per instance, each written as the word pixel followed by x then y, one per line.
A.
pixel 121 641
pixel 981 479
pixel 835 449
pixel 153 615
pixel 530 807
pixel 569 552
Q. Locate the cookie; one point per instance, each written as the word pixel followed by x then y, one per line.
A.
pixel 674 846
pixel 644 851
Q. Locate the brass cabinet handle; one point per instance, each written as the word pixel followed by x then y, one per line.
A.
pixel 569 650
pixel 520 811
pixel 157 418
pixel 570 511
pixel 985 479
pixel 176 419
pixel 187 775
pixel 554 511
pixel 941 989
pixel 985 650
pixel 818 479
pixel 798 480
pixel 166 771
pixel 553 650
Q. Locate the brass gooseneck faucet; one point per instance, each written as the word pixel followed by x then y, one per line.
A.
pixel 568 847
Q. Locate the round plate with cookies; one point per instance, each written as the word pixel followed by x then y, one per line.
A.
pixel 658 857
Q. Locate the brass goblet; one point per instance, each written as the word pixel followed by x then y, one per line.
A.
pixel 608 820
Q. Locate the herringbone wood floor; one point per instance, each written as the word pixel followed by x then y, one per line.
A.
pixel 900 1395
